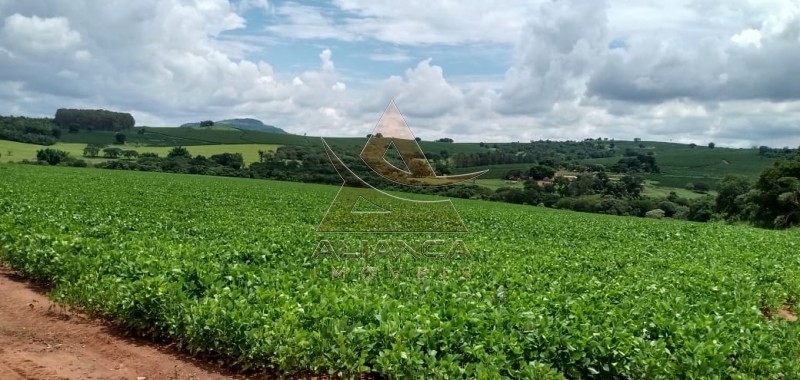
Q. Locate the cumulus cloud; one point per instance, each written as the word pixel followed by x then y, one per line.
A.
pixel 557 51
pixel 161 59
pixel 423 91
pixel 750 64
pixel 689 71
pixel 39 35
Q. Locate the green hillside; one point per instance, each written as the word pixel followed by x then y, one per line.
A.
pixel 681 164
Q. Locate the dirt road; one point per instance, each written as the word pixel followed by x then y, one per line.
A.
pixel 37 343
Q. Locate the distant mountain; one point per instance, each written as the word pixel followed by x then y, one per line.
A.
pixel 249 124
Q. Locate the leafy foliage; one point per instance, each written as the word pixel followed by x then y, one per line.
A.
pixel 29 130
pixel 100 120
pixel 52 156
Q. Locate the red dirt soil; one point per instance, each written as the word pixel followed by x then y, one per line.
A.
pixel 37 342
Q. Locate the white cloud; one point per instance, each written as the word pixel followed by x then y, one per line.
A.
pixel 684 70
pixel 39 35
pixel 390 57
pixel 306 22
pixel 556 53
pixel 339 86
pixel 423 91
pixel 412 22
pixel 748 37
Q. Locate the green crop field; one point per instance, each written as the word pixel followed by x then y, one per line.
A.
pixel 22 151
pixel 681 165
pixel 224 266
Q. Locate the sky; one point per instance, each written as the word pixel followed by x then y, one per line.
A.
pixel 688 71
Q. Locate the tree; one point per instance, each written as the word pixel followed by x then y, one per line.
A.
pixel 776 199
pixel 668 207
pixel 637 139
pixel 206 123
pixel 701 187
pixel 540 172
pixel 763 150
pixel 701 210
pixel 417 139
pixel 179 151
pixel 442 167
pixel 730 201
pixel 513 174
pixel 112 152
pixel 120 138
pixel 91 150
pixel 632 185
pixel 655 213
pixel 233 160
pixel 52 156
pixel 712 145
pixel 445 140
pixel 57 133
pixel 692 145
pixel 583 185
pixel 130 154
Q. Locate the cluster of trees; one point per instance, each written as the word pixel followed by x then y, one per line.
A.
pixel 765 151
pixel 596 193
pixel 772 201
pixel 546 152
pixel 179 160
pixel 98 120
pixel 536 173
pixel 93 151
pixel 40 131
pixel 52 156
pixel 635 162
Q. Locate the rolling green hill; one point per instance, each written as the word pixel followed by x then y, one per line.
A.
pixel 681 164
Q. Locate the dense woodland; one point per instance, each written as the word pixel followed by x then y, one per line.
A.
pixel 30 130
pixel 97 120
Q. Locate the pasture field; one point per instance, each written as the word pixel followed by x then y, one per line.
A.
pixel 224 266
pixel 22 151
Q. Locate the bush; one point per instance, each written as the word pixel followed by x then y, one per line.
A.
pixel 655 213
pixel 669 208
pixel 79 163
pixel 52 156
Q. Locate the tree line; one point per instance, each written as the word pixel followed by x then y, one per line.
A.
pixel 97 120
pixel 29 130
